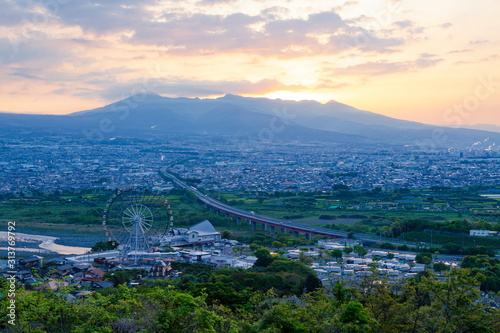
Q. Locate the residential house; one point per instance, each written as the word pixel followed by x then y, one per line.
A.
pixel 61 271
pixel 52 285
pixel 33 261
pixel 91 276
pixel 160 269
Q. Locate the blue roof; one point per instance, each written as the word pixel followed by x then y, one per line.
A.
pixel 203 226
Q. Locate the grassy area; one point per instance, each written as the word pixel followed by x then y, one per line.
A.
pixel 437 239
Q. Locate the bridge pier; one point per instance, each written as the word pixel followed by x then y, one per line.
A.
pixel 254 225
pixel 295 234
pixel 264 227
pixel 283 230
pixel 308 236
pixel 238 221
pixel 271 230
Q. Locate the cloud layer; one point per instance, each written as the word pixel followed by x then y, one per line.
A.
pixel 96 51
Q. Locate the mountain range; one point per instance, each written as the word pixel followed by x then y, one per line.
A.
pixel 147 116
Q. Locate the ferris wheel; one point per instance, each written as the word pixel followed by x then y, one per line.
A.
pixel 137 220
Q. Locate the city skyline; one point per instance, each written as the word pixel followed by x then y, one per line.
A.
pixel 426 62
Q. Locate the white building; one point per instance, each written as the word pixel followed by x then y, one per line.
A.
pixel 481 233
pixel 201 233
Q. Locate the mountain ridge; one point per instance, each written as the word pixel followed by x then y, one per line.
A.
pixel 151 115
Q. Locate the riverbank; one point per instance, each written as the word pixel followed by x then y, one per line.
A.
pixel 33 243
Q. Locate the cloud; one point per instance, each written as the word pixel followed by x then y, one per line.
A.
pixel 319 33
pixel 460 51
pixel 38 49
pixel 274 13
pixel 365 41
pixel 195 88
pixel 15 12
pixel 25 75
pixel 385 67
pixel 351 3
pixel 198 32
pixel 329 84
pixel 403 24
pixel 195 31
pixel 479 42
pixel 214 2
pixel 101 16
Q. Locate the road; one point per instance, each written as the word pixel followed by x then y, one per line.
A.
pixel 251 216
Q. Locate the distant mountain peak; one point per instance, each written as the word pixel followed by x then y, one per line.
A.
pixel 147 94
pixel 140 97
pixel 231 97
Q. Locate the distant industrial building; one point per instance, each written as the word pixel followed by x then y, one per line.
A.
pixel 483 233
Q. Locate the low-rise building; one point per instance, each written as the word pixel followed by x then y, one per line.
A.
pixel 480 233
pixel 201 233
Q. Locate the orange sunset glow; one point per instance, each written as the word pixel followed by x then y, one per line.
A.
pixel 426 61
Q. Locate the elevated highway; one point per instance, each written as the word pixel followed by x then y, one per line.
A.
pixel 265 221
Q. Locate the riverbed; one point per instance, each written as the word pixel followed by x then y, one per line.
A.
pixel 43 242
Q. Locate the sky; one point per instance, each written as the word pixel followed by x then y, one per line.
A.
pixel 435 62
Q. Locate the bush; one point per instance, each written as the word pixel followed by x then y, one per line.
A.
pixel 424 258
pixel 388 246
pixel 327 217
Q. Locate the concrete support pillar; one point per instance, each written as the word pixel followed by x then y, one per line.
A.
pixel 264 227
pixel 295 234
pixel 271 230
pixel 238 221
pixel 249 222
pixel 283 230
pixel 254 225
pixel 308 236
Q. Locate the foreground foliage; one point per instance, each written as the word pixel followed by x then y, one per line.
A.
pixel 421 304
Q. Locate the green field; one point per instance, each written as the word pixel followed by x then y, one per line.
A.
pixel 437 239
pixel 368 212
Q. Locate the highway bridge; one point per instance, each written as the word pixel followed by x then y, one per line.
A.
pixel 241 215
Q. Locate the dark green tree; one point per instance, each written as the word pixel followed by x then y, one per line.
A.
pixel 264 257
pixel 360 251
pixel 424 258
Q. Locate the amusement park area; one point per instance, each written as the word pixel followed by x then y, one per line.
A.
pixel 140 238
